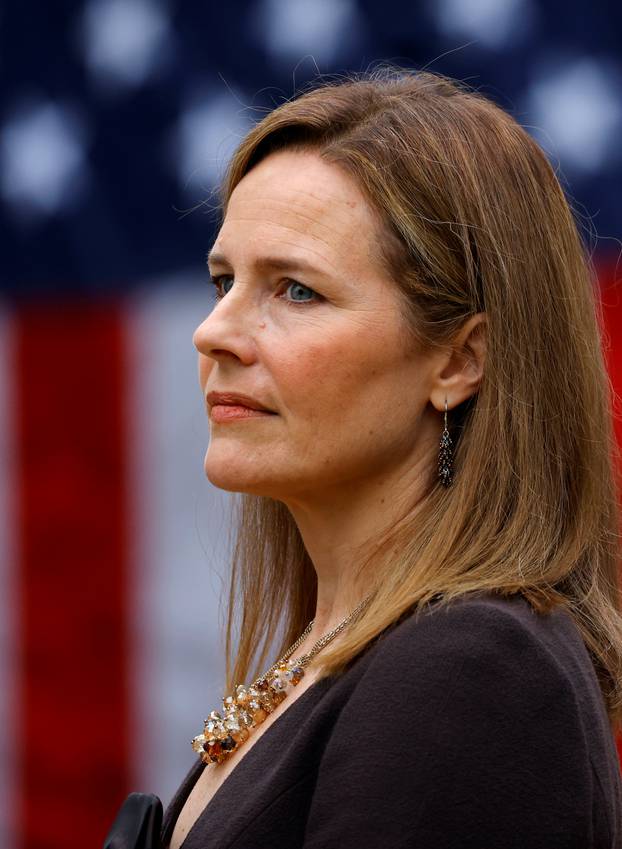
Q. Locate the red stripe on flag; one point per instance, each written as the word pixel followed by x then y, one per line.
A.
pixel 72 543
pixel 611 297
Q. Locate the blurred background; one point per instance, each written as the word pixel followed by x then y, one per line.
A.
pixel 116 120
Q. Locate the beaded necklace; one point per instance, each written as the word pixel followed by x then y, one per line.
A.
pixel 225 732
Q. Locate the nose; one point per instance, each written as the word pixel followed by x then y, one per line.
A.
pixel 224 333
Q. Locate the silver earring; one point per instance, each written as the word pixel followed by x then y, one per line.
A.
pixel 445 455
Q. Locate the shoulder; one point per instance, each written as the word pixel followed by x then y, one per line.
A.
pixel 485 661
pixel 462 722
pixel 484 635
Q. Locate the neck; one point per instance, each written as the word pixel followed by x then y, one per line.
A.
pixel 338 524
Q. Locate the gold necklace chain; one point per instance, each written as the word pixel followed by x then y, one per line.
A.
pixel 223 734
pixel 289 651
pixel 317 646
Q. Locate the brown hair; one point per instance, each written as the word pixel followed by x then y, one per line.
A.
pixel 474 220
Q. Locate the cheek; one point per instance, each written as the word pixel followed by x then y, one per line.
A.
pixel 333 377
pixel 340 393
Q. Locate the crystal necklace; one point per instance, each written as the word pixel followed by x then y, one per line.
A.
pixel 225 732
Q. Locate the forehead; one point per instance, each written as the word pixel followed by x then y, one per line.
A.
pixel 297 199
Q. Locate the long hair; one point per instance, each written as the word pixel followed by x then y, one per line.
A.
pixel 474 220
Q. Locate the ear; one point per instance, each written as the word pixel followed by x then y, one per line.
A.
pixel 461 366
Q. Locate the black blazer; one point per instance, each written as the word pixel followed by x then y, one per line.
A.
pixel 481 726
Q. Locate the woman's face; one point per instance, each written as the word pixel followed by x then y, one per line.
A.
pixel 321 341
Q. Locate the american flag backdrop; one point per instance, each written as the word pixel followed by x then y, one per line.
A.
pixel 116 118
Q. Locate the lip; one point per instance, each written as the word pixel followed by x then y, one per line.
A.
pixel 235 399
pixel 221 413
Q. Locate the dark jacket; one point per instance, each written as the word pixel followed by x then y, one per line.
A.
pixel 478 726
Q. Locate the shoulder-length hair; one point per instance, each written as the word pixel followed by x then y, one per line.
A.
pixel 474 220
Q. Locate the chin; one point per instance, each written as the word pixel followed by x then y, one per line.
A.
pixel 235 475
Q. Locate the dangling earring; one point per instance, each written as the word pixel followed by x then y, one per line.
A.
pixel 445 455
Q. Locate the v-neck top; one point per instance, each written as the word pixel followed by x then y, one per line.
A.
pixel 479 725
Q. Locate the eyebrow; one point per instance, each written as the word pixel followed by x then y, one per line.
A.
pixel 275 263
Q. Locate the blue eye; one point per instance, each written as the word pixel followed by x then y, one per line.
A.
pixel 300 286
pixel 219 280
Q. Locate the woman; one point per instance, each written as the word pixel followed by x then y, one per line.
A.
pixel 397 265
